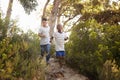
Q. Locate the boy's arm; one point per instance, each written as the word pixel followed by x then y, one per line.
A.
pixel 66 37
pixel 41 35
pixel 51 39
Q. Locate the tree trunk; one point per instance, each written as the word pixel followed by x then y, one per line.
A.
pixel 53 16
pixel 58 19
pixel 44 10
pixel 9 10
pixel 7 18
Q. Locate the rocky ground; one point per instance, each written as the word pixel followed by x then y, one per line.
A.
pixel 53 72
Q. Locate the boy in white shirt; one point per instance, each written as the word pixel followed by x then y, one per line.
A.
pixel 44 39
pixel 60 38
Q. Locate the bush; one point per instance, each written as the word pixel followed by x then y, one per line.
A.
pixel 18 57
pixel 18 54
pixel 89 48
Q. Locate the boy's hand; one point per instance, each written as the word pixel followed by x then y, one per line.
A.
pixel 41 35
pixel 66 38
pixel 51 39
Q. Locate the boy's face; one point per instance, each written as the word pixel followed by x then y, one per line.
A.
pixel 59 28
pixel 44 23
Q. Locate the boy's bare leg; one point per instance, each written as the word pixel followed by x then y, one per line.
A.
pixel 62 61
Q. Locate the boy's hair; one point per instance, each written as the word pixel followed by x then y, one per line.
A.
pixel 59 25
pixel 44 19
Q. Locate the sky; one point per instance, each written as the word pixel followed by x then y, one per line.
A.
pixel 25 21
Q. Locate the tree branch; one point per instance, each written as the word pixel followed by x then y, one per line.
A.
pixel 44 10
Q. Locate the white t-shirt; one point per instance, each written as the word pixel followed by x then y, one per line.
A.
pixel 59 41
pixel 45 31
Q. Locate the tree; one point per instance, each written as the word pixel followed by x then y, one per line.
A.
pixel 53 15
pixel 102 11
pixel 28 5
pixel 9 9
pixel 7 18
pixel 44 9
pixel 105 11
pixel 64 8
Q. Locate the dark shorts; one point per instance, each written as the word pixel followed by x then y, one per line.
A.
pixel 60 53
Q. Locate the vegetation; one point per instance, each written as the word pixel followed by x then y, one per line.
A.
pixel 93 48
pixel 18 54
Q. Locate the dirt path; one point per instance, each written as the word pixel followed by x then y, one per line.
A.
pixel 53 72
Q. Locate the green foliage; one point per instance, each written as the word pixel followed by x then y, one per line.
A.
pixel 109 16
pixel 91 46
pixel 2 25
pixel 110 71
pixel 28 54
pixel 104 11
pixel 18 54
pixel 18 57
pixel 29 5
pixel 112 34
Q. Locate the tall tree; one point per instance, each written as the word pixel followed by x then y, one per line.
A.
pixel 44 9
pixel 53 15
pixel 28 5
pixel 104 11
pixel 9 10
pixel 7 18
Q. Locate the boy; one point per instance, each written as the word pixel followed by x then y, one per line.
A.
pixel 45 39
pixel 60 38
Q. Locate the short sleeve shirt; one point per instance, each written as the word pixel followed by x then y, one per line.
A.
pixel 59 41
pixel 45 31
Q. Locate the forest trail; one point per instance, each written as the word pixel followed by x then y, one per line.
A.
pixel 52 72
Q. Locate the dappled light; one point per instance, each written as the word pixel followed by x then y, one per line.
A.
pixel 60 40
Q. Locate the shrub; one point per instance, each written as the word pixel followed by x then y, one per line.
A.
pixel 89 48
pixel 18 54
